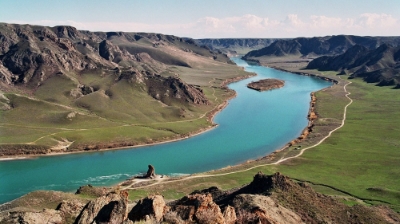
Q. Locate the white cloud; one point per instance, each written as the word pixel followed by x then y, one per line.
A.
pixel 250 25
pixel 373 20
pixel 324 22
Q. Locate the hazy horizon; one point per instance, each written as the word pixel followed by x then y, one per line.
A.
pixel 214 19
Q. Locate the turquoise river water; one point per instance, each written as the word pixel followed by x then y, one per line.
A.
pixel 253 125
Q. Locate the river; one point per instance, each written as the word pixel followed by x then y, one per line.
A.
pixel 253 125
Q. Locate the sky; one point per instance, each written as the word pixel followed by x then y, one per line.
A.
pixel 213 18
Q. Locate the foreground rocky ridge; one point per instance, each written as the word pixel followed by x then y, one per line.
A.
pixel 267 199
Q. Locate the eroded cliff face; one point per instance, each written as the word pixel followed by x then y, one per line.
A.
pixel 30 55
pixel 267 199
pixel 380 65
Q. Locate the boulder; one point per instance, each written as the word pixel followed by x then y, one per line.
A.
pixel 111 208
pixel 151 172
pixel 152 206
pixel 199 208
pixel 70 209
pixel 230 215
pixel 46 216
pixel 264 210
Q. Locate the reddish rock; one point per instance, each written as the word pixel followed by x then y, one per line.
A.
pixel 112 208
pixel 199 208
pixel 230 215
pixel 70 209
pixel 45 216
pixel 152 206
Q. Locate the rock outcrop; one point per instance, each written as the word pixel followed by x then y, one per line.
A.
pixel 151 172
pixel 70 209
pixel 263 209
pixel 174 89
pixel 198 208
pixel 45 216
pixel 111 208
pixel 152 206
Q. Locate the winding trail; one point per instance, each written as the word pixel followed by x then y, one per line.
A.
pixel 263 165
pixel 329 134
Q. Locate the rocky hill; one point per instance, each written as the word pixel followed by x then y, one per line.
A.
pixel 380 65
pixel 318 46
pixel 62 77
pixel 267 199
pixel 31 54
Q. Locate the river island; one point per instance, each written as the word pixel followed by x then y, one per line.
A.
pixel 266 84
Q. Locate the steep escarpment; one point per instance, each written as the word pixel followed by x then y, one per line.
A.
pixel 31 54
pixel 236 45
pixel 318 46
pixel 267 199
pixel 380 65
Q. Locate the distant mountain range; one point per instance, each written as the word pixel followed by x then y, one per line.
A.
pixel 381 65
pixel 319 46
pixel 375 59
pixel 236 45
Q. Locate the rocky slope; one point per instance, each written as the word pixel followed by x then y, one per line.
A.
pixel 318 46
pixel 267 199
pixel 30 55
pixel 380 65
pixel 92 79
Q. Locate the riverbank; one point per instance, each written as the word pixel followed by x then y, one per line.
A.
pixel 231 143
pixel 292 149
pixel 122 146
pixel 344 162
